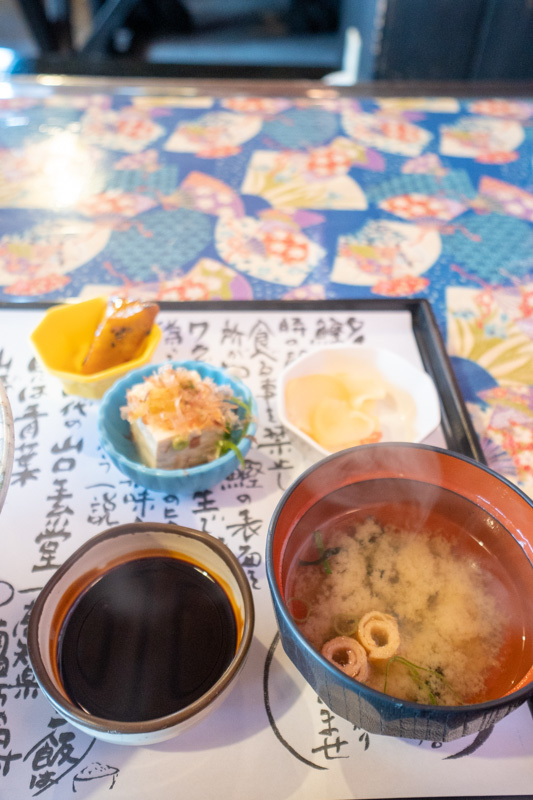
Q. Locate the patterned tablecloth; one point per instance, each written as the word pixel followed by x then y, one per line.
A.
pixel 239 197
pixel 188 196
pixel 182 195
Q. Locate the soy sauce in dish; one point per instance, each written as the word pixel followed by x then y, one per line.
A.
pixel 146 639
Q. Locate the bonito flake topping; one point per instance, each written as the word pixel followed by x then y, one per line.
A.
pixel 177 417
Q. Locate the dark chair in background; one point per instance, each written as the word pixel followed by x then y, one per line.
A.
pixel 283 38
pixel 356 40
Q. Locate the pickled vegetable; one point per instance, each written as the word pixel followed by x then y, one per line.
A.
pixel 121 334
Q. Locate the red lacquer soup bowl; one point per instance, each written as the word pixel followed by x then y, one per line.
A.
pixel 440 501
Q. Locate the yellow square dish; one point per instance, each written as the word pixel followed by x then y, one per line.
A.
pixel 62 340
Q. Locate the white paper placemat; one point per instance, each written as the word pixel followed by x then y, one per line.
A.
pixel 272 738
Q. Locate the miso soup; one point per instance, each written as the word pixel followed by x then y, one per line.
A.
pixel 451 627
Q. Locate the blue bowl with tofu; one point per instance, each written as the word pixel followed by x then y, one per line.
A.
pixel 158 422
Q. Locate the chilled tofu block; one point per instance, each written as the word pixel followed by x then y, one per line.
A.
pixel 179 419
pixel 158 447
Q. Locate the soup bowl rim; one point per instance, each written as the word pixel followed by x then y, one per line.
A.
pixel 513 697
pixel 146 729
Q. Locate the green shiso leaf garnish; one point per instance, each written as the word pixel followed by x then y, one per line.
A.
pixel 225 445
pixel 232 436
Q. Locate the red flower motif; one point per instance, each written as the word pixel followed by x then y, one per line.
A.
pixel 192 290
pixel 400 287
pixel 135 127
pixel 328 161
pixel 36 286
pixel 219 151
pixel 497 157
